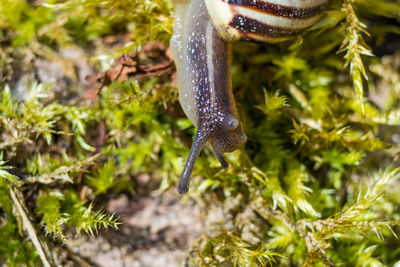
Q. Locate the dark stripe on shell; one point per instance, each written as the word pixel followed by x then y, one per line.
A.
pixel 252 26
pixel 279 10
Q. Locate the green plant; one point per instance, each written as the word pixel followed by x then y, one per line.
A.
pixel 315 184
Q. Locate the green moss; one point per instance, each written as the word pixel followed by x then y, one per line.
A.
pixel 314 185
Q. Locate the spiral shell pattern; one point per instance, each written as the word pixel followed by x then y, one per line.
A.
pixel 263 20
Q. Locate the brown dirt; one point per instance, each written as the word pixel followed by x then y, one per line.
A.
pixel 156 230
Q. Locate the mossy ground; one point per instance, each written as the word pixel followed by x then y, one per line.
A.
pixel 316 184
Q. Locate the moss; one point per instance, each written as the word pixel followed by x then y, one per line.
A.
pixel 314 185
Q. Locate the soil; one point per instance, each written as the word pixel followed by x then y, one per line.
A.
pixel 155 230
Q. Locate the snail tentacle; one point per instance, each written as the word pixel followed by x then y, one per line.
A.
pixel 197 146
pixel 221 159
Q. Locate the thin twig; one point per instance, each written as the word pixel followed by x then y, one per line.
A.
pixel 30 229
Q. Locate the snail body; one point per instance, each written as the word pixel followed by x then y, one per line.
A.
pixel 200 46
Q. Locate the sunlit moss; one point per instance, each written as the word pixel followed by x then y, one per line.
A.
pixel 314 184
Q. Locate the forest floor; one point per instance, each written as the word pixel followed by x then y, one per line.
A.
pixel 156 230
pixel 90 119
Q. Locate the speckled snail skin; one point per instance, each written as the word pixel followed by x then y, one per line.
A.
pixel 200 45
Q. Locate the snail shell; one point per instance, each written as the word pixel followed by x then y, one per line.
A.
pixel 200 46
pixel 263 20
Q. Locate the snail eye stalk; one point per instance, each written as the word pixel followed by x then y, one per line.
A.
pixel 198 144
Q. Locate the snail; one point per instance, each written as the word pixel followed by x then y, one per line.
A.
pixel 200 45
